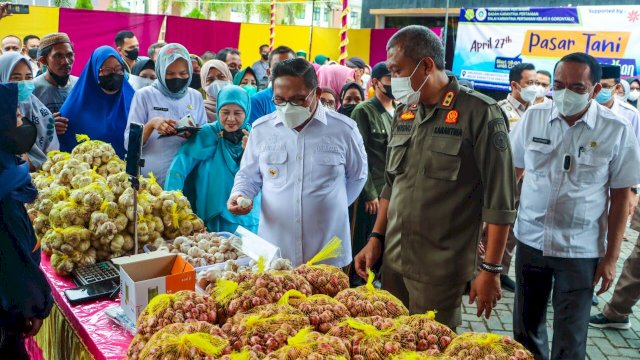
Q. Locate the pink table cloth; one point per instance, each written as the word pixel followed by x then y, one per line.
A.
pixel 103 338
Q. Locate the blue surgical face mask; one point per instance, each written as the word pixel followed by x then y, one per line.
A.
pixel 25 89
pixel 604 95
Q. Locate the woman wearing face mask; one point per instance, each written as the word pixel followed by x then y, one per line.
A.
pixel 246 79
pixel 25 295
pixel 143 74
pixel 15 68
pixel 634 93
pixel 350 96
pixel 161 106
pixel 215 75
pixel 211 159
pixel 98 105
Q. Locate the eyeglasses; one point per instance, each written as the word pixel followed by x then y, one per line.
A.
pixel 328 103
pixel 278 101
pixel 109 71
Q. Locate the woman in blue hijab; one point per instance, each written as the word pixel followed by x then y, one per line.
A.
pixel 211 159
pixel 25 295
pixel 99 103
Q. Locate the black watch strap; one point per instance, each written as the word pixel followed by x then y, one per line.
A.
pixel 377 236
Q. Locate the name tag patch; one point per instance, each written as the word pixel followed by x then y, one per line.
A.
pixel 445 130
pixel 160 108
pixel 541 141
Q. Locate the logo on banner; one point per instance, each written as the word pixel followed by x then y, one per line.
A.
pixel 481 14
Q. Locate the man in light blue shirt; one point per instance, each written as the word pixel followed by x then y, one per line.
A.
pixel 580 160
pixel 262 103
pixel 310 164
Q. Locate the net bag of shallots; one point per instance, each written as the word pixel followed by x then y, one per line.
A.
pixel 366 300
pixel 325 279
pixel 483 346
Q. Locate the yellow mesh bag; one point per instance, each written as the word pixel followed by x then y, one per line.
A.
pixel 325 279
pixel 430 333
pixel 486 346
pixel 192 341
pixel 370 343
pixel 262 334
pixel 366 301
pixel 310 345
pixel 262 289
pixel 323 311
pixel 180 307
pixel 421 355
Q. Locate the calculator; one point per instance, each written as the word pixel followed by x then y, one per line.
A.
pixel 95 273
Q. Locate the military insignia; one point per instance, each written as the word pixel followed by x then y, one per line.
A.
pixel 448 98
pixel 273 172
pixel 408 115
pixel 593 144
pixel 190 107
pixel 500 140
pixel 452 117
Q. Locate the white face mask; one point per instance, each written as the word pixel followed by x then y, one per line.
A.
pixel 403 91
pixel 634 95
pixel 540 91
pixel 215 87
pixel 529 93
pixel 570 103
pixel 365 80
pixel 293 116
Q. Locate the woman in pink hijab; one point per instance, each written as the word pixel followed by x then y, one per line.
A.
pixel 214 75
pixel 334 77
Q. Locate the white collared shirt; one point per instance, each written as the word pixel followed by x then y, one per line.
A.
pixel 513 109
pixel 308 180
pixel 629 113
pixel 565 213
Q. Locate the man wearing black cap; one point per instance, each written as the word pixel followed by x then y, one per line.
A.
pixel 627 292
pixel 374 118
pixel 358 65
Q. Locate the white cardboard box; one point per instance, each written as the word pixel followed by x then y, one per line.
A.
pixel 144 276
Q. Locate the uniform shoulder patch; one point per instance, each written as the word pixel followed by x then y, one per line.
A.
pixel 500 140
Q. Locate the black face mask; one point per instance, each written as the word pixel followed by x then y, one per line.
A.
pixel 387 92
pixel 265 56
pixel 176 84
pixel 347 109
pixel 33 53
pixel 235 137
pixel 132 54
pixel 19 140
pixel 196 82
pixel 233 73
pixel 111 82
pixel 60 80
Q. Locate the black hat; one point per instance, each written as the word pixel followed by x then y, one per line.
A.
pixel 380 70
pixel 610 71
pixel 356 62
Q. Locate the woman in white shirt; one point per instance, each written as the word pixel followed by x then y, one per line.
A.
pixel 161 106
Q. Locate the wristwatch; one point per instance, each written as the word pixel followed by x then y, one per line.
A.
pixel 377 236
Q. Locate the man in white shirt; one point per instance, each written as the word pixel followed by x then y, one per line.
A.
pixel 522 79
pixel 309 163
pixel 580 160
pixel 543 82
